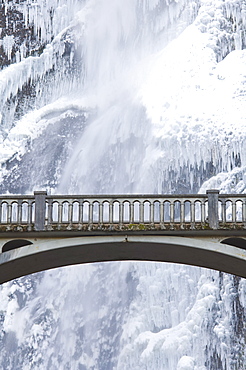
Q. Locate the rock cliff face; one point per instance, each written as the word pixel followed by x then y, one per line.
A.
pixel 111 96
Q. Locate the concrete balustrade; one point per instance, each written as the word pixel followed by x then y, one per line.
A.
pixel 17 211
pixel 42 212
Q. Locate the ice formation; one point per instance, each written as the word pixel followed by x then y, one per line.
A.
pixel 123 97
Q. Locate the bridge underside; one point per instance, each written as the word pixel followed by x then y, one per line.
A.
pixel 45 253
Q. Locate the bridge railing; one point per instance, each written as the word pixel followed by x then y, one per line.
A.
pixel 118 212
pixel 122 210
pixel 17 210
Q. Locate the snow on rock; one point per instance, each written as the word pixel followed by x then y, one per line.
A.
pixel 186 363
pixel 34 123
pixel 230 182
pixel 196 105
pixel 168 341
pixel 14 77
pixel 48 17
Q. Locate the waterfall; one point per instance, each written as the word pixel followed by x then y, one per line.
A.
pixel 112 96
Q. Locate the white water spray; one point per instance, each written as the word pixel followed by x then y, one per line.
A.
pixel 118 45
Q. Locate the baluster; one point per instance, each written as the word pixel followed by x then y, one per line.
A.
pixel 192 213
pixel 9 213
pixel 165 211
pixel 161 214
pixel 70 213
pixel 239 206
pixel 182 213
pixel 100 213
pixel 19 211
pixel 121 210
pixel 171 212
pixel 60 209
pixel 131 210
pixel 90 213
pixel 29 214
pixel 137 212
pixel 81 212
pixel 203 211
pixel 223 210
pixel 141 212
pixel 152 221
pixel 111 212
pixel 244 211
pixel 233 211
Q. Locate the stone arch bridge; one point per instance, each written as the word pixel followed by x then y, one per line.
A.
pixel 40 231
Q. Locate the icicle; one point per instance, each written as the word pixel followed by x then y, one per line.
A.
pixel 8 43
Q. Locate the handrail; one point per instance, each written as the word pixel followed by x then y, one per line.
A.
pixel 40 212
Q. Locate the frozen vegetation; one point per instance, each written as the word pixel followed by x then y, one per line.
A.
pixel 123 96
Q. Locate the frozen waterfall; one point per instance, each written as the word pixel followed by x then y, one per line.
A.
pixel 112 96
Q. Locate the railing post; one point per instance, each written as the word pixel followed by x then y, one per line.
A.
pixel 40 206
pixel 213 209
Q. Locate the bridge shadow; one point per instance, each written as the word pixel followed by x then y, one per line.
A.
pixel 16 243
pixel 235 242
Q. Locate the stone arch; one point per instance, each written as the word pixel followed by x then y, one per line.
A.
pixel 52 253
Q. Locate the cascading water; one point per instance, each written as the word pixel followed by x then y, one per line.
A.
pixel 154 98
